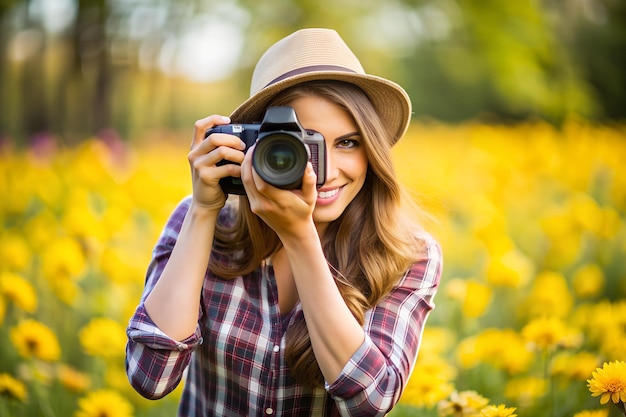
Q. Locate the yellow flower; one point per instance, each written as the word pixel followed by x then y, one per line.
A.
pixel 474 296
pixel 424 390
pixel 12 388
pixel 431 364
pixel 576 366
pixel 436 340
pixel 79 218
pixel 496 411
pixel 546 333
pixel 63 258
pixel 524 391
pixel 611 223
pixel 118 265
pixel 33 339
pixel 103 337
pixel 564 235
pixel 115 378
pixel 455 289
pixel 14 252
pixel 602 322
pixel 501 348
pixel 609 382
pixel 65 289
pixel 19 291
pixel 593 413
pixel 550 296
pixel 467 353
pixel 41 229
pixel 512 269
pixel 614 345
pixel 477 299
pixel 462 404
pixel 588 281
pixel 586 212
pixel 72 379
pixel 104 403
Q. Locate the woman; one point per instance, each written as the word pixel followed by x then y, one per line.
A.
pixel 291 302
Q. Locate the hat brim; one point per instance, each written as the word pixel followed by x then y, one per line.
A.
pixel 389 99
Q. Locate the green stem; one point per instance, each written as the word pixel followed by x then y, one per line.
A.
pixel 4 407
pixel 41 394
pixel 546 373
pixel 44 403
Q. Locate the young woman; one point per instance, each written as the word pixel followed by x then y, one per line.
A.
pixel 291 302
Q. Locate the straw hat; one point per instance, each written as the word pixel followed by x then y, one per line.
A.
pixel 321 54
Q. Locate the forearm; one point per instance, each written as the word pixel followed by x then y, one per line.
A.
pixel 174 302
pixel 335 333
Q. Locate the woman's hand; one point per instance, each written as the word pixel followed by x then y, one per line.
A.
pixel 203 158
pixel 287 212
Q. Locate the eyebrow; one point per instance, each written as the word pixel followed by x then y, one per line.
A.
pixel 347 135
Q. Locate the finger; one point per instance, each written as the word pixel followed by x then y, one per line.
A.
pixel 247 173
pixel 200 159
pixel 211 175
pixel 260 193
pixel 218 146
pixel 254 179
pixel 309 184
pixel 201 126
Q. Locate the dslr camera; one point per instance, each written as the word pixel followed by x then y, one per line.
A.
pixel 283 148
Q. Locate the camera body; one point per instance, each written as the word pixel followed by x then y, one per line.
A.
pixel 283 148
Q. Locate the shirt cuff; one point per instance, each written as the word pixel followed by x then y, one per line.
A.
pixel 361 371
pixel 143 330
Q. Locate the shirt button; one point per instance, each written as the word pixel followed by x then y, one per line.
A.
pixel 269 410
pixel 276 348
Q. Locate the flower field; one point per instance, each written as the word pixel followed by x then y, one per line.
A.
pixel 530 317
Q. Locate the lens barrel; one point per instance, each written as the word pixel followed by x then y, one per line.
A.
pixel 280 159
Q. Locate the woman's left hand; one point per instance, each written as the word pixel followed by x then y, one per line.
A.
pixel 287 212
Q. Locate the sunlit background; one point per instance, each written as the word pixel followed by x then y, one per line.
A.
pixel 73 68
pixel 517 148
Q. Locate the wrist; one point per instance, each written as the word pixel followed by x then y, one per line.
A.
pixel 203 212
pixel 305 236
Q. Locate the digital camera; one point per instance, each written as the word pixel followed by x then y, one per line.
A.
pixel 283 148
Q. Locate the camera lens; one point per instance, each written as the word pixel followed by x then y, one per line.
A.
pixel 280 160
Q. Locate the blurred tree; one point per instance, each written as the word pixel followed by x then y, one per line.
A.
pixel 160 63
pixel 5 7
pixel 89 77
pixel 512 59
pixel 57 77
pixel 596 36
pixel 32 81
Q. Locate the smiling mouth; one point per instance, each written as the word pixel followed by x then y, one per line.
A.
pixel 327 194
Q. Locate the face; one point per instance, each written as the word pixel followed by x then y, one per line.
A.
pixel 346 156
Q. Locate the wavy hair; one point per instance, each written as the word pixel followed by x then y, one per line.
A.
pixel 368 248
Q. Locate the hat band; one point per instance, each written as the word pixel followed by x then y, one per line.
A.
pixel 311 68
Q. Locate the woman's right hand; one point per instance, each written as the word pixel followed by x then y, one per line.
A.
pixel 203 158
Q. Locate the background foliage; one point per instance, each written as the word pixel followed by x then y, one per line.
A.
pixel 75 67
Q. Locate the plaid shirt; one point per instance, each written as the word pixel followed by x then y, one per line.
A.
pixel 235 362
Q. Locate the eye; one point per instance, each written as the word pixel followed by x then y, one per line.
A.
pixel 348 143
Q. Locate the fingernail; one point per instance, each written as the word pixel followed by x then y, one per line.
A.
pixel 226 119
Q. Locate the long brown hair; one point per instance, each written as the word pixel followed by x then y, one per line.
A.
pixel 368 248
